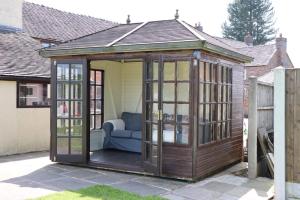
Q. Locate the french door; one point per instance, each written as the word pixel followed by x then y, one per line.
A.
pixel 68 113
pixel 166 107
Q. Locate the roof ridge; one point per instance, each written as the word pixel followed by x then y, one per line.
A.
pixel 190 29
pixel 67 12
pixel 126 34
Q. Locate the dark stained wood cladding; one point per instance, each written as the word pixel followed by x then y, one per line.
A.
pixel 177 161
pixel 215 156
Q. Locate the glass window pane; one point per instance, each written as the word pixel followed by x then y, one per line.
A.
pixel 76 146
pixel 213 93
pixel 219 131
pixel 213 112
pixel 183 70
pixel 62 91
pixel 169 71
pixel 207 113
pixel 62 109
pixel 76 127
pixel 168 92
pixel 219 70
pixel 98 121
pixel 155 112
pixel 76 72
pixel 207 93
pixel 168 133
pixel 99 77
pixel 33 94
pixel 201 93
pixel 182 113
pixel 92 92
pixel 168 112
pixel 99 92
pixel 224 112
pixel 224 93
pixel 219 112
pixel 76 109
pixel 219 93
pixel 201 72
pixel 92 121
pixel 183 92
pixel 155 71
pixel 182 134
pixel 155 91
pixel 62 72
pixel 98 107
pixel 200 134
pixel 201 113
pixel 92 76
pixel 207 133
pixel 213 74
pixel 224 74
pixel 154 133
pixel 76 91
pixel 62 145
pixel 207 72
pixel 62 127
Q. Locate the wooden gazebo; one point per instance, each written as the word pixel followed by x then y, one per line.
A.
pixel 187 85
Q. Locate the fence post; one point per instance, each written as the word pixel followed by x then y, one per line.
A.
pixel 252 128
pixel 279 133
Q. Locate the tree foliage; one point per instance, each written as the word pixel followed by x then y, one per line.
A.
pixel 250 16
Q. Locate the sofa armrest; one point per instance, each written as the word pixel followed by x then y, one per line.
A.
pixel 108 128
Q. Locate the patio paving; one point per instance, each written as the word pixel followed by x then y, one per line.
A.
pixel 33 175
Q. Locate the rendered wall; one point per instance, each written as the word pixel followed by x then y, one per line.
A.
pixel 21 129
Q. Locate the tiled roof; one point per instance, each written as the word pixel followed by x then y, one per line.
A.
pixel 153 32
pixel 262 54
pixel 52 24
pixel 19 56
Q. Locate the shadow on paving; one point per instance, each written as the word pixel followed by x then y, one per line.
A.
pixel 58 177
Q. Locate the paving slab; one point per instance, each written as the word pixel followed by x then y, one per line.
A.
pixel 33 175
pixel 139 188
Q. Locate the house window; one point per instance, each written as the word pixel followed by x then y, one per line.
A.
pixel 33 94
pixel 96 99
pixel 215 102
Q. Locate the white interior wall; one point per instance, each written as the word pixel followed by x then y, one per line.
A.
pixel 122 87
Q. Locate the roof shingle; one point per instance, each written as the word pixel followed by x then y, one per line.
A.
pixel 19 56
pixel 52 24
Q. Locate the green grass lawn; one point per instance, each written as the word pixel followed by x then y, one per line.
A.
pixel 98 192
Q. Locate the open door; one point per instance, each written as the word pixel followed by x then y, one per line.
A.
pixel 68 111
pixel 152 141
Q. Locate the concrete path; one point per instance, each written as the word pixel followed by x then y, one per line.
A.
pixel 33 175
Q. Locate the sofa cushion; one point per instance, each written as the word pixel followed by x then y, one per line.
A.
pixel 133 121
pixel 121 133
pixel 136 135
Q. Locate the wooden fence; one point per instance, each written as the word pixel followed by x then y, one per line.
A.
pixel 292 131
pixel 261 115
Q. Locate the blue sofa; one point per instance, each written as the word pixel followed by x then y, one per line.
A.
pixel 128 139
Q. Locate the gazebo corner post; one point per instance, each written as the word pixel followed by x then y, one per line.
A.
pixel 252 129
pixel 195 62
pixel 279 133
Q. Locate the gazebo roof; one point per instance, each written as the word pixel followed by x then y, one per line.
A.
pixel 140 37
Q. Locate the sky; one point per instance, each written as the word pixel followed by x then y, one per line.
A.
pixel 210 13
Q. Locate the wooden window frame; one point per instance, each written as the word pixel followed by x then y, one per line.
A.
pixel 222 100
pixel 19 82
pixel 95 85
